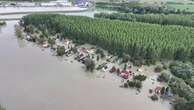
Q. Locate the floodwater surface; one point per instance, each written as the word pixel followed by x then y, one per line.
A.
pixel 33 79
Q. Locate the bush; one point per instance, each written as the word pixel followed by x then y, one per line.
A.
pixel 140 77
pixel 135 84
pixel 182 70
pixel 158 69
pixel 2 23
pixel 51 41
pixel 60 50
pixel 126 58
pixel 163 77
pixel 180 88
pixel 165 66
pixel 154 97
pixel 126 85
pixel 90 65
pixel 137 62
pixel 183 104
pixel 101 52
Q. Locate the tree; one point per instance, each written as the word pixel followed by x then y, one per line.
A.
pixel 60 50
pixel 163 77
pixel 90 64
pixel 181 54
pixel 162 91
pixel 51 41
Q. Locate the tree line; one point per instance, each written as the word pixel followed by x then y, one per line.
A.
pixel 140 8
pixel 146 42
pixel 170 19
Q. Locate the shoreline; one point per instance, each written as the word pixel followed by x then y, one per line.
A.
pixel 12 10
pixel 110 61
pixel 51 75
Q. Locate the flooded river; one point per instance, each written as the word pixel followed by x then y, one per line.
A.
pixel 33 79
pixel 89 13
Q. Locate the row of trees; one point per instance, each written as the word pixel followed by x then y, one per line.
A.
pixel 141 41
pixel 183 71
pixel 185 99
pixel 139 8
pixel 181 84
pixel 170 19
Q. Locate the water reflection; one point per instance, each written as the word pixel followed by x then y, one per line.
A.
pixel 21 43
pixel 2 27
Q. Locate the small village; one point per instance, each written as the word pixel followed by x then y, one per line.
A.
pixel 97 60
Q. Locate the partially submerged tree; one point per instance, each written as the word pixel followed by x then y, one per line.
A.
pixel 164 77
pixel 90 64
pixel 18 31
pixel 60 50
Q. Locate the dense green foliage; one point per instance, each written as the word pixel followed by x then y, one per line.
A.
pixel 181 85
pixel 60 50
pixel 181 89
pixel 158 69
pixel 140 40
pixel 170 19
pixel 184 71
pixel 140 77
pixel 135 84
pixel 163 77
pixel 182 104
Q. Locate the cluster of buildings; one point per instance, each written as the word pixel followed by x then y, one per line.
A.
pixel 45 4
pixel 53 3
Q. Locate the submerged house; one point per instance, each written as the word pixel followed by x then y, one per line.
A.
pixel 124 74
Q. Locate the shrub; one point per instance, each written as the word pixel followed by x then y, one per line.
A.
pixel 183 104
pixel 158 69
pixel 113 35
pixel 140 77
pixel 51 41
pixel 90 64
pixel 154 97
pixel 126 58
pixel 101 52
pixel 165 66
pixel 60 50
pixel 125 85
pixel 163 77
pixel 135 83
pixel 2 23
pixel 182 70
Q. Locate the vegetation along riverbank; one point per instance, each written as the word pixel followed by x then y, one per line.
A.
pixel 143 44
pixel 170 19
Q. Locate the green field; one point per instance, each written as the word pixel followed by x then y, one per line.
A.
pixel 186 7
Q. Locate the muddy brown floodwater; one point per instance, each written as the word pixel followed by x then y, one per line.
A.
pixel 32 79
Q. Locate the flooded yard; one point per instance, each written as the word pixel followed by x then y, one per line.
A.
pixel 33 79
